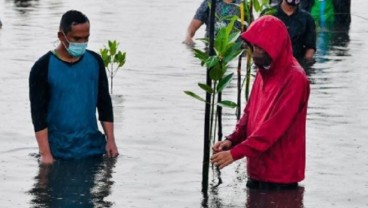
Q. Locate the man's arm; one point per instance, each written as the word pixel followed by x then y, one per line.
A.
pixel 111 148
pixel 310 40
pixel 39 98
pixel 309 54
pixel 200 17
pixel 105 110
pixel 192 29
pixel 44 147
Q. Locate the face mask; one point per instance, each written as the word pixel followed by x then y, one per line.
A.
pixel 293 2
pixel 76 49
pixel 263 62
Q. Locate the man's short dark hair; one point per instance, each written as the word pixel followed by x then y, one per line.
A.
pixel 70 18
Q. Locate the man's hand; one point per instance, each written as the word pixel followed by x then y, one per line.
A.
pixel 189 42
pixel 222 159
pixel 111 149
pixel 46 159
pixel 221 146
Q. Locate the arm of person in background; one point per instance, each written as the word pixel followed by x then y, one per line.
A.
pixel 309 54
pixel 192 29
pixel 111 148
pixel 200 17
pixel 310 41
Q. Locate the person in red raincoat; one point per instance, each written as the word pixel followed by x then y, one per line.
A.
pixel 271 132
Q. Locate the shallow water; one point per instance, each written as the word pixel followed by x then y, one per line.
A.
pixel 159 130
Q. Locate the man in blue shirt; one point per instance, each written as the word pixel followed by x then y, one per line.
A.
pixel 66 86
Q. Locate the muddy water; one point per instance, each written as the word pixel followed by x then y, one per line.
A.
pixel 159 130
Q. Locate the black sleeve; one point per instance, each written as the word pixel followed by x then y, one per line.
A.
pixel 104 104
pixel 310 35
pixel 307 5
pixel 39 92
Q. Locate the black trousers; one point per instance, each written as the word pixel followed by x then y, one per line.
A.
pixel 260 185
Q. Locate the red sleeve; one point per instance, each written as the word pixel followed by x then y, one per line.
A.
pixel 239 134
pixel 292 100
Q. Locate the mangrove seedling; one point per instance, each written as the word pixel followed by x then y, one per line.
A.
pixel 113 59
pixel 227 48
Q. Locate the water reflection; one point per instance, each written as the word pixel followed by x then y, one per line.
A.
pixel 256 199
pixel 332 39
pixel 77 183
pixel 24 3
pixel 332 43
pixel 275 199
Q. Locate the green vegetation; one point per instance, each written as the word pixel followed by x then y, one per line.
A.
pixel 113 59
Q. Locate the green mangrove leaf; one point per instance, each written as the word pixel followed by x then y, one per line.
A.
pixel 234 37
pixel 245 23
pixel 195 96
pixel 105 57
pixel 227 103
pixel 233 52
pixel 257 5
pixel 204 40
pixel 120 59
pixel 224 82
pixel 113 45
pixel 230 26
pixel 217 72
pixel 206 88
pixel 221 39
pixel 268 11
pixel 201 55
pixel 212 61
pixel 108 61
pixel 230 49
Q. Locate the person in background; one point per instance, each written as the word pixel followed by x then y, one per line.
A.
pixel 272 131
pixel 322 11
pixel 301 27
pixel 329 11
pixel 66 85
pixel 224 8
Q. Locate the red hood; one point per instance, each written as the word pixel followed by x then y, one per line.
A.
pixel 270 34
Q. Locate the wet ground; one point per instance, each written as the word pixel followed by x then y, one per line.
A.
pixel 159 130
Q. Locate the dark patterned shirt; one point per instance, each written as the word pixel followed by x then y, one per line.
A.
pixel 223 10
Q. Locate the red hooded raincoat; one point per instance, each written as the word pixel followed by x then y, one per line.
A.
pixel 271 132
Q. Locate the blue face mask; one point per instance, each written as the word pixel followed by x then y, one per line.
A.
pixel 75 49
